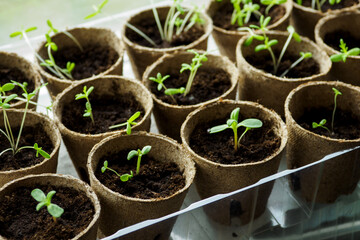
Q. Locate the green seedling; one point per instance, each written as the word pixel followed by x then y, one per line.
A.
pixel 321 124
pixel 124 177
pixel 344 52
pixel 85 95
pixel 160 81
pixel 233 124
pixel 97 9
pixel 303 55
pixel 129 123
pixel 45 200
pixel 317 4
pixel 5 104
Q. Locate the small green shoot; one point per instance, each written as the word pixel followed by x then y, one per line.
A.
pixel 85 95
pixel 97 9
pixel 233 124
pixel 129 123
pixel 124 178
pixel 54 30
pixel 54 210
pixel 321 124
pixel 139 153
pixel 344 52
pixel 336 92
pixel 160 81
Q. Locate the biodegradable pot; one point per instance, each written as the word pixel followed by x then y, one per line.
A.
pixel 339 175
pixel 168 113
pixel 49 128
pixel 226 40
pixel 79 144
pixel 263 87
pixel 86 36
pixel 12 60
pixel 119 211
pixel 60 181
pixel 141 56
pixel 225 178
pixel 348 72
pixel 304 18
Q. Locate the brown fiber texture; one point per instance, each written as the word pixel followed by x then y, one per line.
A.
pixel 119 211
pixel 141 57
pixel 225 178
pixel 304 19
pixel 169 117
pixel 89 233
pixel 349 71
pixel 226 40
pixel 79 144
pixel 49 128
pixel 86 37
pixel 12 60
pixel 337 176
pixel 266 88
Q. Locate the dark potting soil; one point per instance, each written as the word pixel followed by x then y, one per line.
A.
pixel 327 7
pixel 150 28
pixel 222 17
pixel 256 145
pixel 25 157
pixel 333 39
pixel 306 68
pixel 107 111
pixel 20 220
pixel 155 179
pixel 8 74
pixel 93 60
pixel 346 125
pixel 209 83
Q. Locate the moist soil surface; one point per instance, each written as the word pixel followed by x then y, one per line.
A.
pixel 93 60
pixel 150 28
pixel 25 157
pixel 256 145
pixel 107 111
pixel 306 68
pixel 7 74
pixel 155 179
pixel 209 83
pixel 346 125
pixel 327 7
pixel 222 17
pixel 20 220
pixel 333 39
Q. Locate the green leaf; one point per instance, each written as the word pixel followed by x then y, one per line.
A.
pixel 260 47
pixel 50 195
pixel 7 87
pixel 44 154
pixel 323 122
pixel 5 105
pixel 79 96
pixel 128 128
pixel 249 40
pixel 336 57
pixel 30 29
pixel 55 210
pixel 89 90
pixel 10 97
pixel 354 52
pixel 266 21
pixel 40 205
pixel 134 116
pixel 306 54
pixel 337 92
pixel 15 34
pixel 146 149
pixel 235 114
pixel 251 123
pixel 87 114
pixel 126 177
pixel 217 129
pixel 132 154
pixel 272 42
pixel 172 91
pixel 38 195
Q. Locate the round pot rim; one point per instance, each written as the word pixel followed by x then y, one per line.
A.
pixel 207 31
pixel 56 144
pixel 290 118
pixel 288 5
pixel 37 81
pixel 323 21
pixel 190 164
pixel 120 51
pixel 321 14
pixel 88 192
pixel 284 138
pixel 283 79
pixel 62 127
pixel 163 58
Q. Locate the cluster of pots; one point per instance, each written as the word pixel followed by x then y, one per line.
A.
pixel 256 92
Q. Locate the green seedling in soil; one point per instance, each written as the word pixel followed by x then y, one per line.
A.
pixel 160 81
pixel 317 4
pixel 178 20
pixel 5 104
pixel 97 9
pixel 129 123
pixel 45 200
pixel 233 124
pixel 139 153
pixel 85 95
pixel 344 52
pixel 321 124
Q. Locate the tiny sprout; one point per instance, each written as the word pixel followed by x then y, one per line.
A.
pixel 97 9
pixel 53 209
pixel 138 153
pixel 124 178
pixel 85 94
pixel 344 52
pixel 233 124
pixel 160 81
pixel 320 124
pixel 173 91
pixel 336 92
pixel 42 152
pixel 129 123
pixel 21 33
